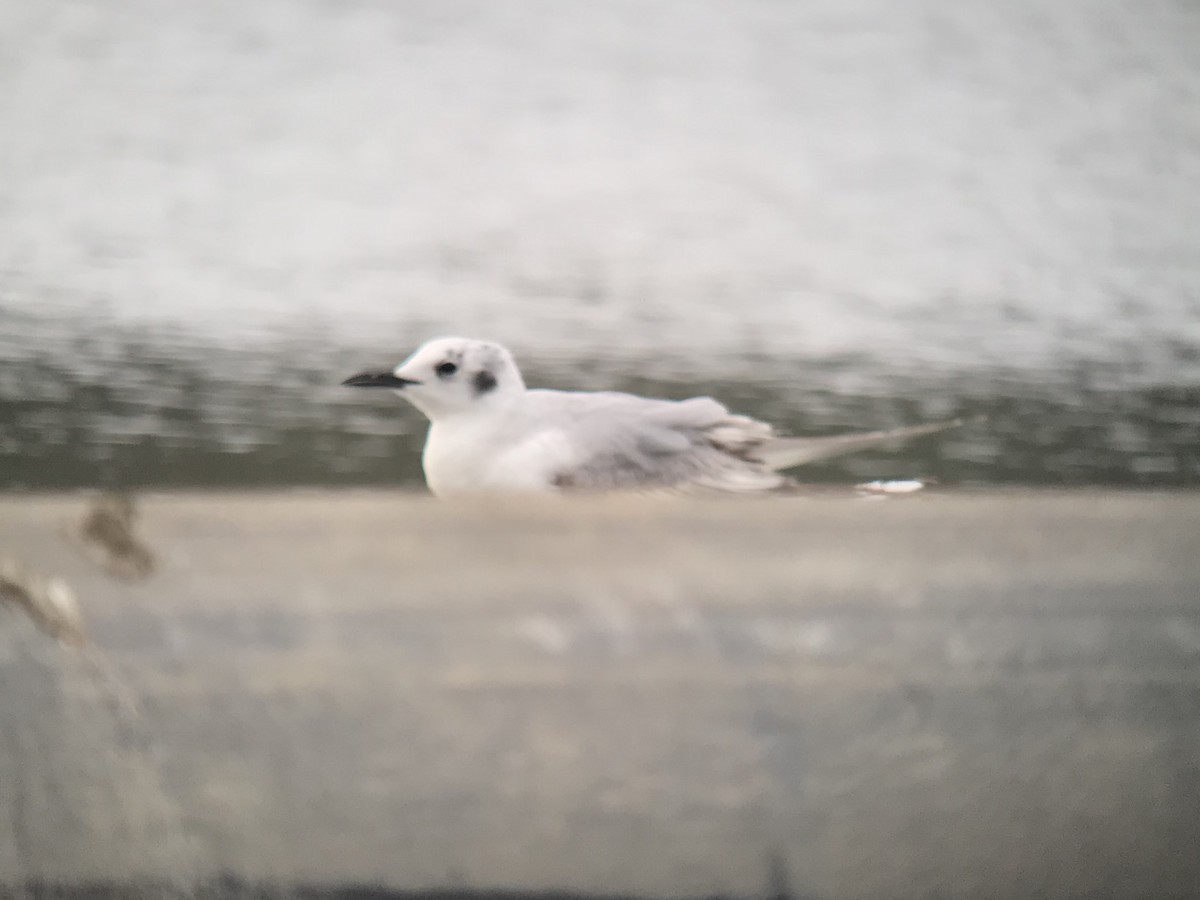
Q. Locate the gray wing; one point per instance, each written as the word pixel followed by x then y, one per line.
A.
pixel 784 453
pixel 623 442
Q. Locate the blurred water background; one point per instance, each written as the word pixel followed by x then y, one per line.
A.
pixel 835 215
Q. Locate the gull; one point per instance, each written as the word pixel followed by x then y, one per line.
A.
pixel 488 432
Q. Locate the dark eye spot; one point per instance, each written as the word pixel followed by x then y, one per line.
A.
pixel 484 381
pixel 446 369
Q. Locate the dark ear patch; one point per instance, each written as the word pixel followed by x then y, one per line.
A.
pixel 484 381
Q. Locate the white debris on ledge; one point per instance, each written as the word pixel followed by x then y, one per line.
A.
pixel 873 489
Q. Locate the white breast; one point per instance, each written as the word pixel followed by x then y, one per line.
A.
pixel 468 455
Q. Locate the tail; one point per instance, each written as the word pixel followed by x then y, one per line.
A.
pixel 784 453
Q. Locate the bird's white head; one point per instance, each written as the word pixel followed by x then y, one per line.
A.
pixel 450 376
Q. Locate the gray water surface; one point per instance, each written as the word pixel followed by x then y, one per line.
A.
pixel 831 214
pixel 156 408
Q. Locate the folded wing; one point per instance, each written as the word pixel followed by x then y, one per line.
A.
pixel 619 441
pixel 785 453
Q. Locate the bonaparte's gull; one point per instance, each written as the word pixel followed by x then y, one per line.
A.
pixel 488 432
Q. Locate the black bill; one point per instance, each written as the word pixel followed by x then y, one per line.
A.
pixel 377 380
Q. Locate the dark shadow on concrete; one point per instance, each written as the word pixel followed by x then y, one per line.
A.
pixel 229 887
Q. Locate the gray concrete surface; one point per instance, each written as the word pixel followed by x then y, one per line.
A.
pixel 953 695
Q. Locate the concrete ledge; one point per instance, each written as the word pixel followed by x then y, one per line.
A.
pixel 952 695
